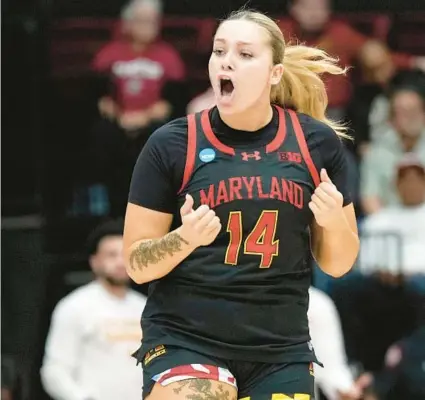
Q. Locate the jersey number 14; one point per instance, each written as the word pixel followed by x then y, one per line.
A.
pixel 260 241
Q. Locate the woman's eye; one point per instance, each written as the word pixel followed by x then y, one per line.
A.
pixel 218 52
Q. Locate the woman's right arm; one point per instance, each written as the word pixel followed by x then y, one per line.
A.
pixel 151 251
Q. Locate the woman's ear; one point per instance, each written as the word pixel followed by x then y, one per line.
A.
pixel 277 73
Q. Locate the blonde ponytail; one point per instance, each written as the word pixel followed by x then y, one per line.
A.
pixel 301 86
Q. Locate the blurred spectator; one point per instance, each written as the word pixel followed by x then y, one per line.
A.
pixel 313 24
pixel 403 375
pixel 369 109
pixel 406 220
pixel 380 307
pixel 139 67
pixel 405 134
pixel 335 379
pixel 95 329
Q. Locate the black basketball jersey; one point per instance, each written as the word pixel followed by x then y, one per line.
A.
pixel 246 295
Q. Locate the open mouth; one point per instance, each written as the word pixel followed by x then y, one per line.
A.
pixel 226 87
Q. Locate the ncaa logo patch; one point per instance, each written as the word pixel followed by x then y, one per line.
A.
pixel 207 155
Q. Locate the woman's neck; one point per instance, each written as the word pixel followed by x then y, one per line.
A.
pixel 250 120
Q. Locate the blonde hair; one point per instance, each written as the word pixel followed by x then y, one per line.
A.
pixel 301 86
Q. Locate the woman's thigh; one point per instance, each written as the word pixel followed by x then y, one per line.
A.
pixel 193 389
pixel 176 373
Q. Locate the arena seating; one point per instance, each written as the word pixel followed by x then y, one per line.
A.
pixel 76 40
pixel 408 33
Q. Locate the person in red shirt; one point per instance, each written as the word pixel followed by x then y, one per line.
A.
pixel 138 66
pixel 313 24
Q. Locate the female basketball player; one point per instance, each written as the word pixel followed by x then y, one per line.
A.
pixel 223 208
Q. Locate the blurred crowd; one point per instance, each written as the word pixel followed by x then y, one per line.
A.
pixel 368 328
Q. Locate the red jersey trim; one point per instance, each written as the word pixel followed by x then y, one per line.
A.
pixel 206 126
pixel 303 147
pixel 281 132
pixel 191 151
pixel 270 147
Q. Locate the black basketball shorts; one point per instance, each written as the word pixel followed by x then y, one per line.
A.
pixel 253 380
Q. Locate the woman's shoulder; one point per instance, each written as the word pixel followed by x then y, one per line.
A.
pixel 316 131
pixel 172 133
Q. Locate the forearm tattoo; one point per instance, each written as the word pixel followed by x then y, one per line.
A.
pixel 154 251
pixel 201 389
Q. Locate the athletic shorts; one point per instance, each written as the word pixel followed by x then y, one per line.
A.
pixel 253 380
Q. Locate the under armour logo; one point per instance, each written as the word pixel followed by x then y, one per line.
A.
pixel 255 155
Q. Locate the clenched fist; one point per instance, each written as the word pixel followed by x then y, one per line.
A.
pixel 326 203
pixel 199 227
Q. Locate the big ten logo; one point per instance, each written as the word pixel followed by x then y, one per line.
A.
pixel 289 156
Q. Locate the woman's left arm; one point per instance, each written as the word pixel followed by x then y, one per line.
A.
pixel 335 241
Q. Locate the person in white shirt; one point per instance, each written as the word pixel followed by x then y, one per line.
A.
pixel 405 221
pixel 95 329
pixel 380 302
pixel 335 379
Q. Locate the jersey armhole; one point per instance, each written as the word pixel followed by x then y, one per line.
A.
pixel 191 151
pixel 304 148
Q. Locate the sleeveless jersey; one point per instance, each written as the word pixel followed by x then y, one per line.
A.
pixel 245 296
